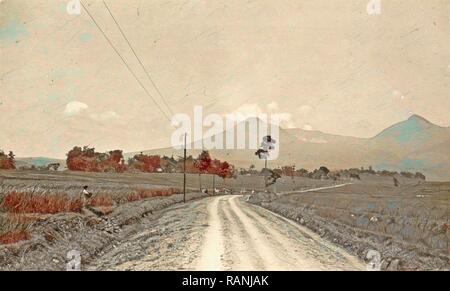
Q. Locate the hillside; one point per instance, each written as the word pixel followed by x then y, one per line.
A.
pixel 38 162
pixel 412 145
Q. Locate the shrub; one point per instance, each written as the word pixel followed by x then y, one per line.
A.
pixel 19 202
pixel 150 193
pixel 14 236
pixel 7 161
pixel 13 229
pixel 101 201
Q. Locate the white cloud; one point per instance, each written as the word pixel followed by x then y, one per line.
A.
pixel 246 111
pixel 108 115
pixel 74 107
pixel 285 119
pixel 307 127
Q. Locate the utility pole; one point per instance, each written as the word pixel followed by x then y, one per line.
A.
pixel 265 172
pixel 184 168
pixel 214 184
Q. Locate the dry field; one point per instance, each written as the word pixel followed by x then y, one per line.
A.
pixel 41 217
pixel 23 194
pixel 28 197
pixel 408 225
pixel 121 185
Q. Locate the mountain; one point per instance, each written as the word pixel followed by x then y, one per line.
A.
pixel 415 130
pixel 38 162
pixel 412 145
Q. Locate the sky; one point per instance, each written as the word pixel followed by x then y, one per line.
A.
pixel 324 65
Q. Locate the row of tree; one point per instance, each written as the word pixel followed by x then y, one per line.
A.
pixel 324 173
pixel 88 160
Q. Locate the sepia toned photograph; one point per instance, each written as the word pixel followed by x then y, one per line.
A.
pixel 225 136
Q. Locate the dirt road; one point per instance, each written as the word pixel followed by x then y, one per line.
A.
pixel 245 237
pixel 227 233
pixel 313 189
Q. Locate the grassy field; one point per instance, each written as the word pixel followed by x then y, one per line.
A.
pixel 27 197
pixel 71 183
pixel 408 223
pixel 33 195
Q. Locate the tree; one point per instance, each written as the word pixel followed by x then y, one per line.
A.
pixel 206 165
pixel 324 169
pixel 288 171
pixel 302 172
pixel 215 169
pixel 83 160
pixel 88 160
pixel 420 176
pixel 145 163
pixel 7 162
pixel 225 170
pixel 203 165
pixel 204 162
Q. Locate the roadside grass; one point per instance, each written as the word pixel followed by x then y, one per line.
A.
pixel 150 193
pixel 14 228
pixel 18 207
pixel 22 202
pixel 102 200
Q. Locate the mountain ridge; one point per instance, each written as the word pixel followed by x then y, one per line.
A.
pixel 415 144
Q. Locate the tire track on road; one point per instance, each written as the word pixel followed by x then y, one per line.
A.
pixel 265 251
pixel 213 247
pixel 240 247
pixel 319 253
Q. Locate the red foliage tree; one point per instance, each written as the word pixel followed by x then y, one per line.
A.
pixel 7 162
pixel 114 161
pixel 82 159
pixel 203 165
pixel 214 167
pixel 87 160
pixel 225 170
pixel 145 163
pixel 204 162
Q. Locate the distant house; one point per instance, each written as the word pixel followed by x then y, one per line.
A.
pixel 169 164
pixel 53 166
pixel 190 165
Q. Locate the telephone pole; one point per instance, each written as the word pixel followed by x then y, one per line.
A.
pixel 184 168
pixel 265 172
pixel 214 184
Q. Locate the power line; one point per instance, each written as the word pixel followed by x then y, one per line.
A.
pixel 137 57
pixel 125 63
